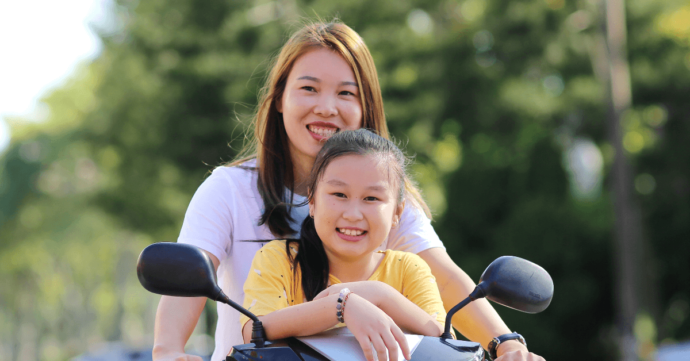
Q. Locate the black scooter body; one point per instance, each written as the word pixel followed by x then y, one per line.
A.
pixel 291 349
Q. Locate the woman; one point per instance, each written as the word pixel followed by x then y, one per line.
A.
pixel 323 81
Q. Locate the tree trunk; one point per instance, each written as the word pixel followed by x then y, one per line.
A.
pixel 627 223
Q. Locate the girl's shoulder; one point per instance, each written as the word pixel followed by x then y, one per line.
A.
pixel 277 249
pixel 404 260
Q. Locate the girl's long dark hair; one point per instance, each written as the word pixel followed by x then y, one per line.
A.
pixel 311 257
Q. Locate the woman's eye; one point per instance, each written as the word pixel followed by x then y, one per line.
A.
pixel 345 92
pixel 308 88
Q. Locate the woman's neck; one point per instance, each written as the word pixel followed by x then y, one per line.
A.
pixel 301 168
pixel 354 270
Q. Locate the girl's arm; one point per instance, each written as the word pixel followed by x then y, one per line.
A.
pixel 369 324
pixel 477 321
pixel 176 318
pixel 404 312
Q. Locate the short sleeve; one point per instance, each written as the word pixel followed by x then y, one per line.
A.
pixel 419 286
pixel 414 233
pixel 268 287
pixel 208 220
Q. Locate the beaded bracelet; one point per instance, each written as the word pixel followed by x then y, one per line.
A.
pixel 340 306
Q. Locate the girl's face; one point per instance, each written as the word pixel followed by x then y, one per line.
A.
pixel 321 97
pixel 354 206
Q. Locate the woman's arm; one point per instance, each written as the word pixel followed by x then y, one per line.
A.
pixel 477 321
pixel 176 318
pixel 369 324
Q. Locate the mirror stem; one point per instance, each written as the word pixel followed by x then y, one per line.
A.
pixel 258 333
pixel 477 293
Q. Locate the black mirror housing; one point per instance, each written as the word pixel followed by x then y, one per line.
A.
pixel 517 283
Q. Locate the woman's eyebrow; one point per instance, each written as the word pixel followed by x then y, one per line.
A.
pixel 317 80
pixel 307 77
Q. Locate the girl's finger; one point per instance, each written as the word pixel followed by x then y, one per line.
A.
pixel 391 344
pixel 365 344
pixel 380 347
pixel 402 340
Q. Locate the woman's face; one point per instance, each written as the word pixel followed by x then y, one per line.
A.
pixel 321 97
pixel 354 206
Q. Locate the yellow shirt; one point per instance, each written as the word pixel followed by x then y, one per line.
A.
pixel 272 285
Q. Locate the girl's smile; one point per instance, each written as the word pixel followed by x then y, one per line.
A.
pixel 354 206
pixel 351 234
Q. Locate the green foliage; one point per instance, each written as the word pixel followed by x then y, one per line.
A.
pixel 488 95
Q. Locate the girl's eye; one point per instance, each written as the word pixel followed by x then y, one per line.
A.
pixel 371 199
pixel 339 195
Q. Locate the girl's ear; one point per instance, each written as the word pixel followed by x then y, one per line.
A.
pixel 398 213
pixel 311 208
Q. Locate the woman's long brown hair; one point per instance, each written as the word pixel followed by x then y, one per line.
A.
pixel 270 143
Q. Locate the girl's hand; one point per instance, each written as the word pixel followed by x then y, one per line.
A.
pixel 160 355
pixel 515 351
pixel 372 291
pixel 374 330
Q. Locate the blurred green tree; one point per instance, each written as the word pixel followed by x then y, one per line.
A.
pixel 492 97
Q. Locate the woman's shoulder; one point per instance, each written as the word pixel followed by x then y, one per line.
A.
pixel 237 170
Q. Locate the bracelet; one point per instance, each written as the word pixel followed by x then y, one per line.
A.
pixel 493 345
pixel 340 306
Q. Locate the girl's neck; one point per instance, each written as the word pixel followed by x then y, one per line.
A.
pixel 354 270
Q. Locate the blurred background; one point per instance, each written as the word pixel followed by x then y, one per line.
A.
pixel 552 130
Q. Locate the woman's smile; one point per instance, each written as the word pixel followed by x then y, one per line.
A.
pixel 321 131
pixel 321 98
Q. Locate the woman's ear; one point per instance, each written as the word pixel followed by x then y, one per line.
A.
pixel 279 104
pixel 398 213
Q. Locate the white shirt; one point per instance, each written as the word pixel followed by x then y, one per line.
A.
pixel 225 211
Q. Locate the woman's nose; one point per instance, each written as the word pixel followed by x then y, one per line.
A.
pixel 326 106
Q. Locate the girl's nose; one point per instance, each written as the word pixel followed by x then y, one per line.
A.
pixel 326 106
pixel 352 213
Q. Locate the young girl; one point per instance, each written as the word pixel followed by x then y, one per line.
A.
pixel 356 195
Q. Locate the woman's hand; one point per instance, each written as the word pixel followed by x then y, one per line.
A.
pixel 515 351
pixel 374 330
pixel 372 291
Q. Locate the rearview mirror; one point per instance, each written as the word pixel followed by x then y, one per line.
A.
pixel 518 284
pixel 512 282
pixel 176 269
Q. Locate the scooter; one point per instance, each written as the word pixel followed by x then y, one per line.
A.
pixel 176 269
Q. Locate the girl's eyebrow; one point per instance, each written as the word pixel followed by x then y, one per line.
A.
pixel 317 80
pixel 338 182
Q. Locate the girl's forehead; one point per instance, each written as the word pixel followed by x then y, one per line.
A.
pixel 360 169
